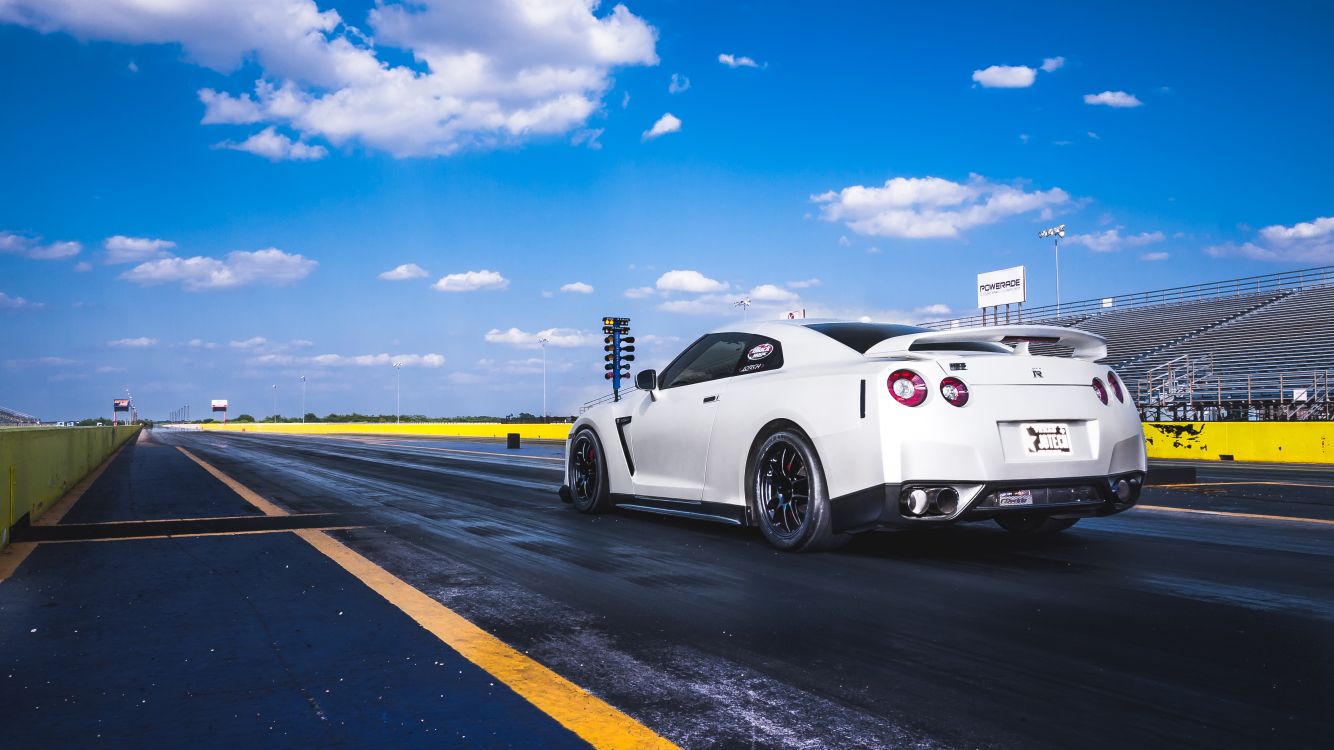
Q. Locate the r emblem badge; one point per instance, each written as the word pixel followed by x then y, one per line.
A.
pixel 1037 373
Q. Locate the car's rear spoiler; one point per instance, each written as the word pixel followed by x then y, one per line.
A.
pixel 1089 346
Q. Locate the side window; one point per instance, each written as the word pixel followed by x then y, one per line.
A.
pixel 762 354
pixel 714 356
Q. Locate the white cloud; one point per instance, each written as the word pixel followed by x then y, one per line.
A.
pixel 13 303
pixel 270 266
pixel 639 292
pixel 83 267
pixel 843 241
pixel 737 61
pixel 251 343
pixel 1154 257
pixel 1113 99
pixel 561 338
pixel 928 207
pixel 275 146
pixel 578 287
pixel 1005 77
pixel 1052 64
pixel 1304 242
pixel 404 272
pixel 471 281
pixel 804 284
pixel 30 247
pixel 142 342
pixel 772 293
pixel 200 344
pixel 122 249
pixel 587 137
pixel 936 309
pixel 481 74
pixel 679 84
pixel 693 282
pixel 668 123
pixel 1111 240
pixel 1094 136
pixel 349 360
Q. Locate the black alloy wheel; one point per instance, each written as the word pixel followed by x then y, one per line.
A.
pixel 787 492
pixel 588 474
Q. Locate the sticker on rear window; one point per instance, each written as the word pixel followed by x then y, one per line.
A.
pixel 760 352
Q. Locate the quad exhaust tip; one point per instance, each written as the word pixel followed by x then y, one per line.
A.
pixel 936 501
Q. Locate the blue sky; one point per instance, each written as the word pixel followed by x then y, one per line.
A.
pixel 200 198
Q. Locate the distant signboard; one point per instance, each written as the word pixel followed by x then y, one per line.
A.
pixel 794 315
pixel 120 404
pixel 219 404
pixel 1003 287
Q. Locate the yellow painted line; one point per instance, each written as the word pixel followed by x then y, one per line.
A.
pixel 576 709
pixel 12 557
pixel 138 521
pixel 595 721
pixel 56 512
pixel 190 535
pixel 1289 519
pixel 245 492
pixel 1243 484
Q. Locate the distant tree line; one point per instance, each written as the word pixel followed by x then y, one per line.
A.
pixel 522 417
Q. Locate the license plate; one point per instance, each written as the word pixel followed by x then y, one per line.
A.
pixel 1014 497
pixel 1046 438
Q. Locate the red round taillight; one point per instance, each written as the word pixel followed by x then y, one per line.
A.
pixel 1115 383
pixel 907 387
pixel 954 391
pixel 1100 389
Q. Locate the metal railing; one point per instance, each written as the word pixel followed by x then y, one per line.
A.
pixel 1284 281
pixel 1192 395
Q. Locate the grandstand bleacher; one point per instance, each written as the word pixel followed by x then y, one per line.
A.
pixel 11 418
pixel 1254 348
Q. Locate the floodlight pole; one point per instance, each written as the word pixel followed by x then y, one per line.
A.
pixel 744 304
pixel 303 399
pixel 275 403
pixel 543 342
pixel 1056 233
pixel 398 398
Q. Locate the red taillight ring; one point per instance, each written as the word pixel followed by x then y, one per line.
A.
pixel 907 387
pixel 1100 389
pixel 954 391
pixel 1115 383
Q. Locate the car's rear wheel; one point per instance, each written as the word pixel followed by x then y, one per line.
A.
pixel 1035 525
pixel 588 474
pixel 787 491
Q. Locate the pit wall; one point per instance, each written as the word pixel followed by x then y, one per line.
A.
pixel 439 429
pixel 41 464
pixel 1279 442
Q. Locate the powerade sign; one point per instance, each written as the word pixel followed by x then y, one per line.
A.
pixel 120 404
pixel 1004 287
pixel 219 404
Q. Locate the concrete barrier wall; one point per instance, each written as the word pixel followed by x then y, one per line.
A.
pixel 41 464
pixel 1280 442
pixel 438 429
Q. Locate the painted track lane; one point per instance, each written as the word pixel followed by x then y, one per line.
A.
pixel 1149 628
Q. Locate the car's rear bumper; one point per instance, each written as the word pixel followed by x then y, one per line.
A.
pixel 883 505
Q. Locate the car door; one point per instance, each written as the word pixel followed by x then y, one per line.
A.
pixel 670 432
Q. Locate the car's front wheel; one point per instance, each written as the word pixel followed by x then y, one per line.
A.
pixel 588 474
pixel 1036 525
pixel 788 493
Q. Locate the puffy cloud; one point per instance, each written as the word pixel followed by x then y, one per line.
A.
pixel 804 284
pixel 1111 240
pixel 270 266
pixel 471 281
pixel 1005 77
pixel 31 247
pixel 1113 99
pixel 929 207
pixel 693 282
pixel 1052 64
pixel 404 272
pixel 13 303
pixel 639 292
pixel 772 293
pixel 142 342
pixel 668 123
pixel 122 249
pixel 737 61
pixel 578 287
pixel 562 338
pixel 679 84
pixel 275 146
pixel 481 74
pixel 251 343
pixel 1304 242
pixel 1154 257
pixel 936 309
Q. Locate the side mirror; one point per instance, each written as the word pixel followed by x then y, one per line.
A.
pixel 646 380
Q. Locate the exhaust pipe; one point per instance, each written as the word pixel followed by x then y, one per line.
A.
pixel 935 501
pixel 945 501
pixel 917 501
pixel 1122 490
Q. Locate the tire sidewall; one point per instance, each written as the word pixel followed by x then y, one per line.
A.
pixel 814 532
pixel 600 501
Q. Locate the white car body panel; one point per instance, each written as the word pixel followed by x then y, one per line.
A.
pixel 695 453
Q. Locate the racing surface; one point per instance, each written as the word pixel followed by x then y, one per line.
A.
pixel 1156 627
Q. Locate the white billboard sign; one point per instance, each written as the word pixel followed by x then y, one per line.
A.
pixel 219 404
pixel 1003 287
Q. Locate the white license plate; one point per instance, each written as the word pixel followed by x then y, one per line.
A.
pixel 1014 497
pixel 1045 438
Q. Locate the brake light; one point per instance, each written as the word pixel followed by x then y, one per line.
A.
pixel 1100 389
pixel 954 391
pixel 907 387
pixel 1115 383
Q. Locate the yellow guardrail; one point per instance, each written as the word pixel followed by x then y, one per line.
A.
pixel 1279 442
pixel 437 429
pixel 41 464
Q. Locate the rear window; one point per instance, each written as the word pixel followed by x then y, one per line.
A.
pixel 862 336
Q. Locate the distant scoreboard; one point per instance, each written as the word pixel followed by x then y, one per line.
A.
pixel 120 404
pixel 219 404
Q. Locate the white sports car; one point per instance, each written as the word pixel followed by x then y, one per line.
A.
pixel 815 430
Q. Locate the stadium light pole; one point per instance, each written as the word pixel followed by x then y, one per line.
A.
pixel 303 399
pixel 398 397
pixel 1056 233
pixel 275 403
pixel 744 304
pixel 544 342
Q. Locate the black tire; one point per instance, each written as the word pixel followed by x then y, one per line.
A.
pixel 586 474
pixel 787 491
pixel 1035 525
